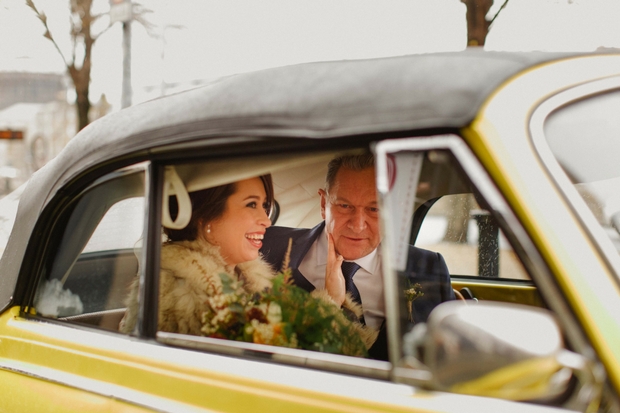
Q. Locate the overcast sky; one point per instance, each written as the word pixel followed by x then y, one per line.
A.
pixel 221 37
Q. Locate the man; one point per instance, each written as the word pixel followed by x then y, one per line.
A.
pixel 350 232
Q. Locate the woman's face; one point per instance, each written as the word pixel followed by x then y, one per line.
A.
pixel 239 231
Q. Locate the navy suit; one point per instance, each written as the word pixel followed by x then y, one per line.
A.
pixel 424 267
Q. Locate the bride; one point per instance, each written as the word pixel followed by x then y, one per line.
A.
pixel 223 236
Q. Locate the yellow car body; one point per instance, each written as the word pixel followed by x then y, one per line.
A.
pixel 51 363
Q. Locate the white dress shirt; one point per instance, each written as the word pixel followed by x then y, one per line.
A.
pixel 368 279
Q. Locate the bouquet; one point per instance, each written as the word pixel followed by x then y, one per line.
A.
pixel 286 316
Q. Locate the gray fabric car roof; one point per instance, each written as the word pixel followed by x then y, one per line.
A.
pixel 316 100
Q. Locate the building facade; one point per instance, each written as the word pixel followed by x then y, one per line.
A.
pixel 25 87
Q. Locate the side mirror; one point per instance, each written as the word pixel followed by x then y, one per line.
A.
pixel 500 350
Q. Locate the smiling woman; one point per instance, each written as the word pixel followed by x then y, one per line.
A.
pixel 240 229
pixel 213 241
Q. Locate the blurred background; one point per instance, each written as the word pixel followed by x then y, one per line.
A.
pixel 66 63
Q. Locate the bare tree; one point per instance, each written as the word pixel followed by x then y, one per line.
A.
pixel 458 219
pixel 82 40
pixel 477 30
pixel 477 24
pixel 79 63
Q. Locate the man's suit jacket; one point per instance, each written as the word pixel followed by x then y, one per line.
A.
pixel 424 267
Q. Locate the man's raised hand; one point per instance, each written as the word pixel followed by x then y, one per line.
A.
pixel 334 280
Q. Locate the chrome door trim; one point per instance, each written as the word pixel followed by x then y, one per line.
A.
pixel 354 366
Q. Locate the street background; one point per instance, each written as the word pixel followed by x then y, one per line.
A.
pixel 187 43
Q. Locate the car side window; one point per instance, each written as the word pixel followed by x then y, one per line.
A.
pixel 444 240
pixel 437 208
pixel 89 272
pixel 469 238
pixel 217 290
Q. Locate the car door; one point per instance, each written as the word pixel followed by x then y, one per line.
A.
pixel 405 168
pixel 63 342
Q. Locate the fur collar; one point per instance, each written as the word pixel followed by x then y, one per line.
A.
pixel 195 261
pixel 190 274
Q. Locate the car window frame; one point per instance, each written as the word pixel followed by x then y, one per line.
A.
pixel 52 222
pixel 507 221
pixel 146 326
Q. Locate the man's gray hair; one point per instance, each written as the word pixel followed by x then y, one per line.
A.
pixel 353 162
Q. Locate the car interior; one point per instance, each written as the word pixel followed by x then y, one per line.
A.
pixel 101 232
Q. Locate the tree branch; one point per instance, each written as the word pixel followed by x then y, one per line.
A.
pixel 139 13
pixel 43 18
pixel 96 36
pixel 498 12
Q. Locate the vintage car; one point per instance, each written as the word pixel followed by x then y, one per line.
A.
pixel 505 163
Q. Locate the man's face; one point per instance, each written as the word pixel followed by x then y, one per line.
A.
pixel 351 213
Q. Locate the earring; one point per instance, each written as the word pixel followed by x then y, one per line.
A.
pixel 208 228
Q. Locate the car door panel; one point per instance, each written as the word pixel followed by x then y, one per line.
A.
pixel 120 374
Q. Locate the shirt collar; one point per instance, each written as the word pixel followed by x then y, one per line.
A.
pixel 370 262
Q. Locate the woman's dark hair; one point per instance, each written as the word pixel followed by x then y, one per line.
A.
pixel 209 204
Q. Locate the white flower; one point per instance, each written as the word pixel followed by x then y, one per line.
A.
pixel 274 313
pixel 263 333
pixel 263 308
pixel 222 316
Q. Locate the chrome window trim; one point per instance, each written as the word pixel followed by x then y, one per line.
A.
pixel 118 173
pixel 362 367
pixel 140 167
pixel 512 228
pixel 575 202
pixel 148 273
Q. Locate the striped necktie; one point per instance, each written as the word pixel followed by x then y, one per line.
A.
pixel 348 270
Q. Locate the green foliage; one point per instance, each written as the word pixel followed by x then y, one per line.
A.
pixel 285 315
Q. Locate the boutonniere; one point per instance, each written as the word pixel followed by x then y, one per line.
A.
pixel 412 292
